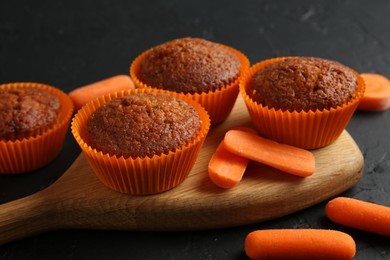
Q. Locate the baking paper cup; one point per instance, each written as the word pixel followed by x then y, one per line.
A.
pixel 27 154
pixel 308 130
pixel 218 103
pixel 145 175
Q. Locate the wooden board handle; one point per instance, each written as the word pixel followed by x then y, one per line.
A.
pixel 23 217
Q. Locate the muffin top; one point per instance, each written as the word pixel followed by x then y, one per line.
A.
pixel 303 83
pixel 189 65
pixel 25 110
pixel 142 124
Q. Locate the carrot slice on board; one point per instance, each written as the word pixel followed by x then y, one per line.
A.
pixel 82 95
pixel 226 169
pixel 283 157
pixel 359 214
pixel 377 94
pixel 299 244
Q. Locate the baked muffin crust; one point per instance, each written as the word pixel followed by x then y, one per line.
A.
pixel 142 124
pixel 189 65
pixel 303 83
pixel 25 110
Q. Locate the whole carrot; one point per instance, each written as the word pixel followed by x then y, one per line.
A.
pixel 359 214
pixel 82 95
pixel 299 244
pixel 283 157
pixel 226 169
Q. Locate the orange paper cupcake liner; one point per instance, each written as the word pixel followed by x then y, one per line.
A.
pixel 140 176
pixel 308 130
pixel 28 154
pixel 218 103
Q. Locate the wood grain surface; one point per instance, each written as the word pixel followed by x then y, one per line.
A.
pixel 79 200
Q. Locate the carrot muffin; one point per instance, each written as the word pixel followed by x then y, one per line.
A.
pixel 25 112
pixel 303 83
pixel 141 141
pixel 302 101
pixel 189 65
pixel 34 119
pixel 142 125
pixel 206 71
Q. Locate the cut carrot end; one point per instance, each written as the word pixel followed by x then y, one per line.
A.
pixel 226 169
pixel 377 94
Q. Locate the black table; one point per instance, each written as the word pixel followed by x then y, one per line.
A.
pixel 69 44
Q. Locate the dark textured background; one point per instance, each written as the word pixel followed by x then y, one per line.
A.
pixel 71 43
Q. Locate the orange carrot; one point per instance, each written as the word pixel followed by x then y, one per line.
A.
pixel 83 95
pixel 377 94
pixel 283 157
pixel 226 169
pixel 359 214
pixel 299 244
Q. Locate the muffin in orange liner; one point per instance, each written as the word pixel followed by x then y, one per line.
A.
pixel 141 175
pixel 308 130
pixel 218 103
pixel 30 153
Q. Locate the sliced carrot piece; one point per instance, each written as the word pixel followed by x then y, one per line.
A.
pixel 283 157
pixel 226 169
pixel 82 95
pixel 377 94
pixel 299 244
pixel 359 214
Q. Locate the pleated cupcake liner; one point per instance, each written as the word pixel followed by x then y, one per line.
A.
pixel 28 154
pixel 142 175
pixel 218 103
pixel 308 130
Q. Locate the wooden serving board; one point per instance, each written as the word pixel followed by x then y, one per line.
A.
pixel 79 200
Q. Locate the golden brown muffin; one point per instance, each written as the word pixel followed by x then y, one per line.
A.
pixel 25 112
pixel 301 101
pixel 189 65
pixel 143 124
pixel 34 119
pixel 203 71
pixel 303 83
pixel 148 174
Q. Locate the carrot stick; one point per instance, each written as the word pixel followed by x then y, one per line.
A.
pixel 283 157
pixel 299 244
pixel 359 214
pixel 83 95
pixel 226 169
pixel 377 94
